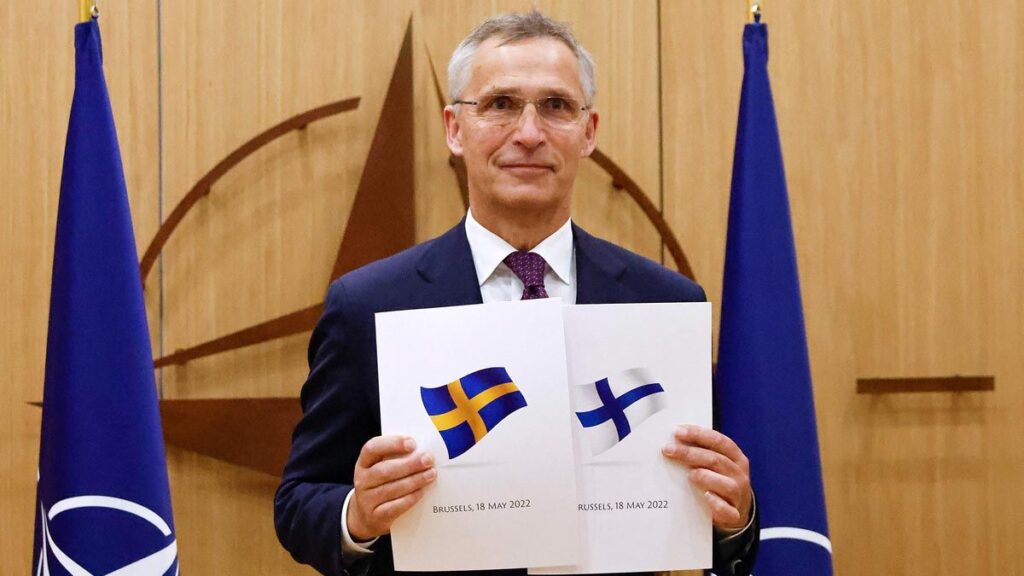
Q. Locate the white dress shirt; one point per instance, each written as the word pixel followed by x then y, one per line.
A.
pixel 497 281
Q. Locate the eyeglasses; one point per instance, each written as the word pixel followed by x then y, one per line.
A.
pixel 504 109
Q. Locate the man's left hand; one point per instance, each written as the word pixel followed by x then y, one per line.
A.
pixel 720 469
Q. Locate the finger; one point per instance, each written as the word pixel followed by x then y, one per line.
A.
pixel 395 469
pixel 392 509
pixel 696 457
pixel 402 487
pixel 710 439
pixel 726 488
pixel 363 513
pixel 380 447
pixel 723 514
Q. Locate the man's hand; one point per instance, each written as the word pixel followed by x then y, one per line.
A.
pixel 389 478
pixel 719 467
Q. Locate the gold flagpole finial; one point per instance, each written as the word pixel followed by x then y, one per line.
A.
pixel 755 10
pixel 87 10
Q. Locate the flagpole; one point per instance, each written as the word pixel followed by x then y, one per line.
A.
pixel 87 10
pixel 99 356
pixel 754 13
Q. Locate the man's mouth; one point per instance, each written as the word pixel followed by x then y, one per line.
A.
pixel 526 167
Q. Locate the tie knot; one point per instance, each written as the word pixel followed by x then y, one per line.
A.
pixel 529 267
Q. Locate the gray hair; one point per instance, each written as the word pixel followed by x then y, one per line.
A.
pixel 513 27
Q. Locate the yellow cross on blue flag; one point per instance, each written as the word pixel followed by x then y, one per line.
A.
pixel 465 410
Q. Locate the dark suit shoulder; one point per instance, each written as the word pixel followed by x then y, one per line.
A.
pixel 374 281
pixel 649 281
pixel 438 272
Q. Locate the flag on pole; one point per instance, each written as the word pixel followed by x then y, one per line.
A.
pixel 102 505
pixel 764 379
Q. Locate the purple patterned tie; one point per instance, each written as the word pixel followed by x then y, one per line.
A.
pixel 529 267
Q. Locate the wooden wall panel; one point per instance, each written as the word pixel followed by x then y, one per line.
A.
pixel 264 242
pixel 37 58
pixel 899 132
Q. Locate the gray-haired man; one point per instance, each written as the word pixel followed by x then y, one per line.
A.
pixel 522 118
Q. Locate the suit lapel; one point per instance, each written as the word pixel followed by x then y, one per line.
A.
pixel 447 278
pixel 448 272
pixel 599 271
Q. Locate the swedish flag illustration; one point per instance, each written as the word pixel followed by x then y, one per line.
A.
pixel 470 407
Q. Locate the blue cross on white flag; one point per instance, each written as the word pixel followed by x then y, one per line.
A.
pixel 610 408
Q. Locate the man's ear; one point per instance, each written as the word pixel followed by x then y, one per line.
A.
pixel 590 134
pixel 453 130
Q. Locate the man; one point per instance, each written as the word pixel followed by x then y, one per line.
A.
pixel 521 117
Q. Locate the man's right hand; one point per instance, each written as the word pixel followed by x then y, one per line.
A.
pixel 389 478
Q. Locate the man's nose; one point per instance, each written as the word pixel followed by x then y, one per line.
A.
pixel 529 127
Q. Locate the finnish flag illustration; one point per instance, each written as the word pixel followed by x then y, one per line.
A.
pixel 610 408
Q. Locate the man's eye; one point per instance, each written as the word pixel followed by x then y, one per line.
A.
pixel 556 104
pixel 500 103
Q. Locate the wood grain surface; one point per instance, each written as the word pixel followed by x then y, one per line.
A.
pixel 900 127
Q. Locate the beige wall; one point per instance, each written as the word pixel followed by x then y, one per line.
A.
pixel 36 85
pixel 900 128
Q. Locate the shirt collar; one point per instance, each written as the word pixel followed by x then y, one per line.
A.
pixel 489 250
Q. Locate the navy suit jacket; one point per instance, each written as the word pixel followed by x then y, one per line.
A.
pixel 340 402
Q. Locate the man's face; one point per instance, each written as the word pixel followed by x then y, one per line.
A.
pixel 529 164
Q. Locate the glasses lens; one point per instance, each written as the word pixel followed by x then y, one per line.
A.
pixel 501 109
pixel 558 109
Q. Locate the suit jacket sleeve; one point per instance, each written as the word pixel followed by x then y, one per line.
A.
pixel 735 556
pixel 336 422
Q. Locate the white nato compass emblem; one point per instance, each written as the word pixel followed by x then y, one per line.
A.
pixel 154 564
pixel 791 533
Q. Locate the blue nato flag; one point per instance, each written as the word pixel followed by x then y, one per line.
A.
pixel 763 381
pixel 103 502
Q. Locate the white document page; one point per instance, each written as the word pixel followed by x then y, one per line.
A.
pixel 637 371
pixel 483 388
